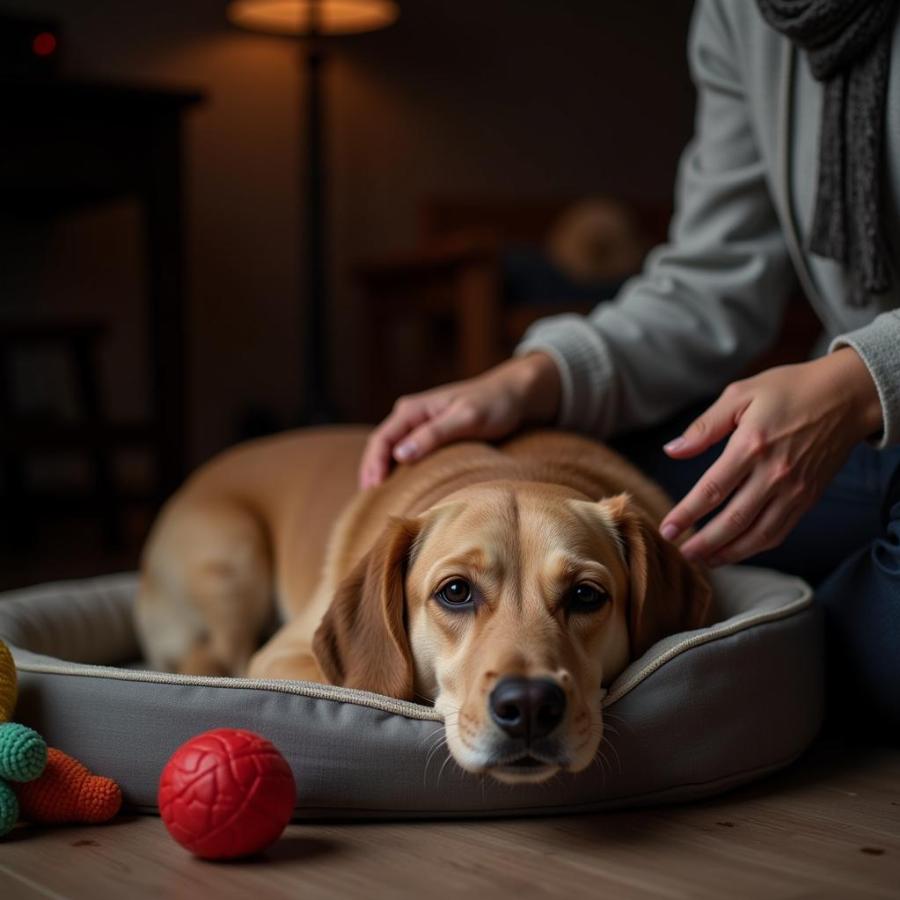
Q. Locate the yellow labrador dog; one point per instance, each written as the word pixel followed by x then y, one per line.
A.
pixel 505 584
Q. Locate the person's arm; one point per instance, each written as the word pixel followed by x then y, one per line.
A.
pixel 708 302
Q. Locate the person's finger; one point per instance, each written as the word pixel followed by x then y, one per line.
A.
pixel 376 459
pixel 458 421
pixel 738 517
pixel 772 526
pixel 375 463
pixel 711 491
pixel 712 426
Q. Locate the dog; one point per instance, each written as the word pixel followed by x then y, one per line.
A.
pixel 505 584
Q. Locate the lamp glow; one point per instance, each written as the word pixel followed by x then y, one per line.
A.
pixel 305 17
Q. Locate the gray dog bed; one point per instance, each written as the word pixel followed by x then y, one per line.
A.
pixel 699 713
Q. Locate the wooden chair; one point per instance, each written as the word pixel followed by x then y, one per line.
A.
pixel 24 436
pixel 439 309
pixel 436 314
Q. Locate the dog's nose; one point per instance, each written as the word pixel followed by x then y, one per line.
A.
pixel 527 707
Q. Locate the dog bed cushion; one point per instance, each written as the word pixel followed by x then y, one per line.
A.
pixel 700 712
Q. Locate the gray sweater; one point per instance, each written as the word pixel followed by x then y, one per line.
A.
pixel 712 299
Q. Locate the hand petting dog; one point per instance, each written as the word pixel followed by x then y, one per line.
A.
pixel 523 391
pixel 791 428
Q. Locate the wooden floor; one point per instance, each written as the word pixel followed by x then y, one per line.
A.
pixel 827 828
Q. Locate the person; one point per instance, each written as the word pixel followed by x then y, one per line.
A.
pixel 792 177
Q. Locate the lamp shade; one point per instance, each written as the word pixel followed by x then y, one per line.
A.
pixel 305 17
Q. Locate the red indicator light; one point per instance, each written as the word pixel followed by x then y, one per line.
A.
pixel 44 44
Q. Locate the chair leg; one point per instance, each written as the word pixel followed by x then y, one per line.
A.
pixel 478 317
pixel 104 487
pixel 17 523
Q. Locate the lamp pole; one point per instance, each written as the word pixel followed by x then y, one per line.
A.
pixel 318 406
pixel 307 19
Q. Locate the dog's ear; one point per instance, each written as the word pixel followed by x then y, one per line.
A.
pixel 668 594
pixel 362 641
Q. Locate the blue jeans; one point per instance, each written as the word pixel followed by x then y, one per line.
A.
pixel 848 547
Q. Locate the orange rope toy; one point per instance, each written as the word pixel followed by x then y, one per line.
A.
pixel 68 793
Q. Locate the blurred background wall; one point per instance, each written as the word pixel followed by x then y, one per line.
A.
pixel 501 98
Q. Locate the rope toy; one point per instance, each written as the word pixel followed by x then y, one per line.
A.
pixel 23 753
pixel 41 784
pixel 67 793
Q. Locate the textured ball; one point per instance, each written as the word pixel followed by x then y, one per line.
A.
pixel 226 793
pixel 23 752
pixel 67 793
pixel 8 689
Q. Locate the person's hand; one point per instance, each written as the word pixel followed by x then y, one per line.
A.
pixel 791 429
pixel 521 391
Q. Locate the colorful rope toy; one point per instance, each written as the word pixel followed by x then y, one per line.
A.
pixel 41 784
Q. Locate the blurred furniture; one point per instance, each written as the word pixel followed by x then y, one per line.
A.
pixel 440 309
pixel 314 21
pixel 446 296
pixel 67 145
pixel 24 436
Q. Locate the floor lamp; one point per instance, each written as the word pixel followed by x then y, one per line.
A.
pixel 314 22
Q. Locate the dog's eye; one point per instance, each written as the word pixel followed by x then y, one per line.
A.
pixel 586 598
pixel 456 592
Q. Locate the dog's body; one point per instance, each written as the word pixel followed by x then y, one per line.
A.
pixel 484 578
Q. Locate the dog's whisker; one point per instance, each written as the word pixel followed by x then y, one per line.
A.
pixel 444 766
pixel 431 756
pixel 604 764
pixel 434 749
pixel 437 740
pixel 438 745
pixel 612 747
pixel 453 711
pixel 435 736
pixel 429 700
pixel 621 722
pixel 428 737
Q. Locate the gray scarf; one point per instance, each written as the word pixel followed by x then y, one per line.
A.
pixel 848 43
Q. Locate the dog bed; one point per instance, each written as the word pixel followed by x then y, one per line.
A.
pixel 699 713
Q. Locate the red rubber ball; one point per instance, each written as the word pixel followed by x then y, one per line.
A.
pixel 226 793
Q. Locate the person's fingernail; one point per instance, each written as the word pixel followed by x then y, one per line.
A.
pixel 670 531
pixel 405 451
pixel 675 444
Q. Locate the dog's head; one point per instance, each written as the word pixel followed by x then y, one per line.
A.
pixel 510 606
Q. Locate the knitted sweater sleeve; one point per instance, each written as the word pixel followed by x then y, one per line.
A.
pixel 707 302
pixel 878 343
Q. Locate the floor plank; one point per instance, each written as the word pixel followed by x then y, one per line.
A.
pixel 828 827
